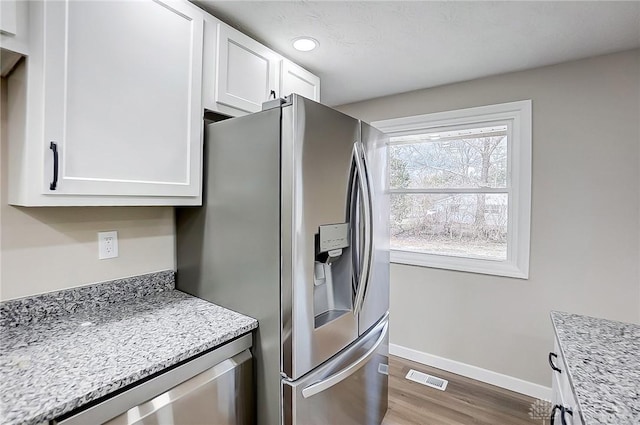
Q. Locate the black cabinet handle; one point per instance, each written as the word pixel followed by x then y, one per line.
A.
pixel 54 183
pixel 565 410
pixel 554 367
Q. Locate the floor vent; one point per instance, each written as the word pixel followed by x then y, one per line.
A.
pixel 428 380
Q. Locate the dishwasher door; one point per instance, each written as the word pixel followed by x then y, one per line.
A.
pixel 221 395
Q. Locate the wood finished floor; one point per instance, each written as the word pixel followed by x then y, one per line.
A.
pixel 465 401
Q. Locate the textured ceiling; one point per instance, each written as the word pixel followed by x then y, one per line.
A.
pixel 373 48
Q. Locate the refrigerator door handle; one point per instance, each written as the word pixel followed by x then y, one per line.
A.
pixel 338 377
pixel 365 192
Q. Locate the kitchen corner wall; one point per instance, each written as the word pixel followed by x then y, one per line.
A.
pixel 585 219
pixel 47 249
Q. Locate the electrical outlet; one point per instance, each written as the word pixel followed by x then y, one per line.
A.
pixel 107 245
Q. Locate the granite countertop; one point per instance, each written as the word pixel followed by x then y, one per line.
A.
pixel 62 350
pixel 603 362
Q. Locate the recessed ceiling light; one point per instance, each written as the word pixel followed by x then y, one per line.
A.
pixel 305 44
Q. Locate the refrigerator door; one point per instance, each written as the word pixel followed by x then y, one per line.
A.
pixel 376 297
pixel 317 297
pixel 351 389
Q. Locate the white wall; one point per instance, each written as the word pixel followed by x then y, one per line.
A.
pixel 585 219
pixel 47 249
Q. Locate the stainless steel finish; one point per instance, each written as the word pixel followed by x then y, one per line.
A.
pixel 316 160
pixel 229 249
pixel 122 402
pixel 221 395
pixel 287 235
pixel 274 103
pixel 359 399
pixel 273 179
pixel 376 300
pixel 367 251
pixel 338 377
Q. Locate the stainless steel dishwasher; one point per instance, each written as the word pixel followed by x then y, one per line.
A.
pixel 195 393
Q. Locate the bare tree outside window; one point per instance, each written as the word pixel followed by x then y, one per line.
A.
pixel 449 192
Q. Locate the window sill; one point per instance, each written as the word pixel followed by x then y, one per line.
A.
pixel 472 265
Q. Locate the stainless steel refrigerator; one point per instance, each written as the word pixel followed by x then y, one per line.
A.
pixel 294 232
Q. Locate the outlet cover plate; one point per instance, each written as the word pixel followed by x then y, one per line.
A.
pixel 107 245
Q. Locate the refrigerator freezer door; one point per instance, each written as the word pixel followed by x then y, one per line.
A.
pixel 316 292
pixel 376 298
pixel 351 389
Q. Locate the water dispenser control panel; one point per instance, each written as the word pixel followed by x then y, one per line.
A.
pixel 334 236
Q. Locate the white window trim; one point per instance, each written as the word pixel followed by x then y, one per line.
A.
pixel 519 225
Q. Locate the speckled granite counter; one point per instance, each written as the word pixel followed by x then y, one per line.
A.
pixel 603 361
pixel 62 350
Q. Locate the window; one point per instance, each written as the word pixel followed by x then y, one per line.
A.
pixel 460 188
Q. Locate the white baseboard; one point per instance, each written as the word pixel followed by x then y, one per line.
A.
pixel 473 372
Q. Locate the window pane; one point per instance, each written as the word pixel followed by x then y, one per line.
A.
pixel 472 158
pixel 463 225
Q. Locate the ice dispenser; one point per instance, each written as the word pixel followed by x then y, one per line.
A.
pixel 332 273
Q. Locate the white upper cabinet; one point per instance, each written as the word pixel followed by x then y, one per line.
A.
pixel 241 74
pixel 296 79
pixel 14 35
pixel 120 106
pixel 246 73
pixel 107 108
pixel 8 17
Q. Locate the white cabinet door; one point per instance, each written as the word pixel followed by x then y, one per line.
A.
pixel 8 17
pixel 209 58
pixel 562 393
pixel 122 98
pixel 296 79
pixel 14 31
pixel 246 71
